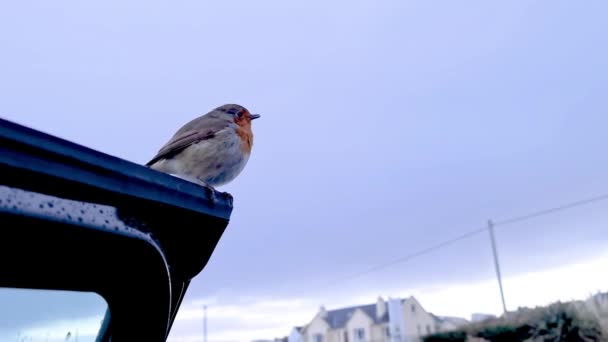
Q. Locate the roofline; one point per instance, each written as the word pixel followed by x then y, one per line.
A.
pixel 350 307
pixel 365 313
pixel 36 152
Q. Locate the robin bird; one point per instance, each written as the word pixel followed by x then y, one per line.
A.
pixel 210 150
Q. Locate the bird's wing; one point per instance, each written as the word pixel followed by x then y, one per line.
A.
pixel 202 128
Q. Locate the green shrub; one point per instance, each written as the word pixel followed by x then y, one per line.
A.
pixel 452 336
pixel 505 333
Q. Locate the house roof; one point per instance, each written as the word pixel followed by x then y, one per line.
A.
pixel 601 295
pixel 449 319
pixel 338 318
pixel 436 318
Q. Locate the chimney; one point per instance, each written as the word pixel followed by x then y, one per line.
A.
pixel 322 311
pixel 380 307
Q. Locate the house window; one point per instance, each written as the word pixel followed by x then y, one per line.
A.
pixel 428 329
pixel 345 336
pixel 317 338
pixel 359 334
pixel 419 330
pixel 387 332
pixel 413 308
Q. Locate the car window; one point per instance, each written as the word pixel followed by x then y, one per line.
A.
pixel 29 315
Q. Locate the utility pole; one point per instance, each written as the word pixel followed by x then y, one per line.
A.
pixel 204 323
pixel 496 264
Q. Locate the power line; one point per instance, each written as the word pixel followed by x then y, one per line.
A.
pixel 551 210
pixel 411 256
pixel 469 234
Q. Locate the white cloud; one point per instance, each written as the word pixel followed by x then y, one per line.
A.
pixel 243 320
pixel 574 281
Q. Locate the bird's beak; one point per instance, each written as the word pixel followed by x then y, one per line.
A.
pixel 255 116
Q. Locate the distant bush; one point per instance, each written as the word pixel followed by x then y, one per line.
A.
pixel 572 321
pixel 505 333
pixel 452 336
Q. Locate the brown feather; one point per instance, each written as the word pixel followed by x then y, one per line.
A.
pixel 201 128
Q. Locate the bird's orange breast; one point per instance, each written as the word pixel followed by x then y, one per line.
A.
pixel 244 132
pixel 246 136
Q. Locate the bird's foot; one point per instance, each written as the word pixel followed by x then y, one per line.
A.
pixel 209 191
pixel 186 178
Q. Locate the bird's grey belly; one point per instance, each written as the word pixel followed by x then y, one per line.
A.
pixel 215 162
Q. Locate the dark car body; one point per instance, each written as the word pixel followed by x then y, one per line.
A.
pixel 142 234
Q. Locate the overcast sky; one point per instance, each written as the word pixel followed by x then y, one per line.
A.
pixel 387 126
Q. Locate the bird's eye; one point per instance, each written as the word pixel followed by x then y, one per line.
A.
pixel 232 111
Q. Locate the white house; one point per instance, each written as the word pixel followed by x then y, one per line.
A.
pixel 295 335
pixel 398 320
